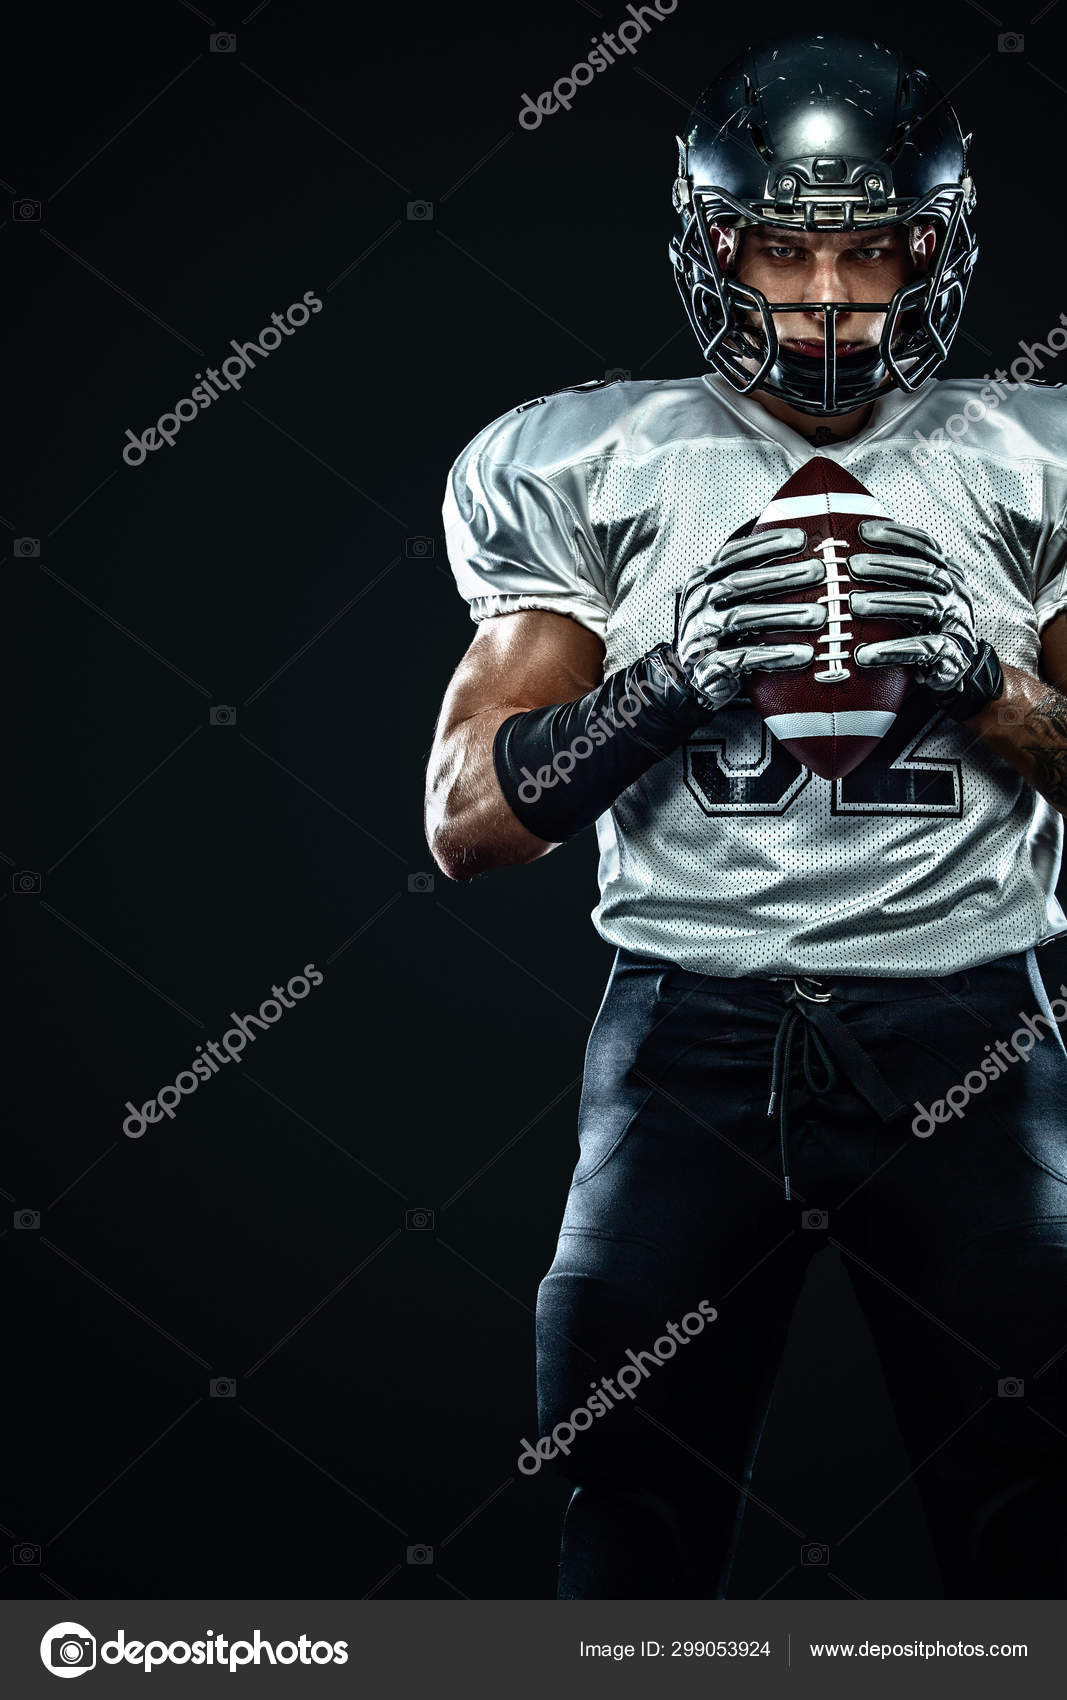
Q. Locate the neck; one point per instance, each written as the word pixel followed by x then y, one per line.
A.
pixel 818 429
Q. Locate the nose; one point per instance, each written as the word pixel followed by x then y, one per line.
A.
pixel 823 282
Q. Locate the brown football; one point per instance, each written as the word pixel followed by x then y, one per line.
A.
pixel 830 714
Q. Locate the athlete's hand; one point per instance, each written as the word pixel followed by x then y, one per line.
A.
pixel 931 593
pixel 717 618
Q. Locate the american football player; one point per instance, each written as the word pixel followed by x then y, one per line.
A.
pixel 824 1014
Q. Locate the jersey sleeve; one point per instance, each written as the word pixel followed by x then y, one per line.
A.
pixel 1050 576
pixel 1050 597
pixel 516 540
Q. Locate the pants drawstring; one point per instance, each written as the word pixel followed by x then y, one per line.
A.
pixel 838 1053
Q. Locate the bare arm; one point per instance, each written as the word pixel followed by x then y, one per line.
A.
pixel 515 662
pixel 1028 723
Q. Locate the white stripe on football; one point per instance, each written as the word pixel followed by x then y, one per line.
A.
pixel 827 501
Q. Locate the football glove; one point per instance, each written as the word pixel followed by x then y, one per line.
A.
pixel 930 592
pixel 716 617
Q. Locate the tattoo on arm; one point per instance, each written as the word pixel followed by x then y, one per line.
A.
pixel 1047 721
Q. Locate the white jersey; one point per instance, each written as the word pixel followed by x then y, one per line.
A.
pixel 729 857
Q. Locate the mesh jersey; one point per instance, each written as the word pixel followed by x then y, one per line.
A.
pixel 729 857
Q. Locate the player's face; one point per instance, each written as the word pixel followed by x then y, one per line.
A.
pixel 845 266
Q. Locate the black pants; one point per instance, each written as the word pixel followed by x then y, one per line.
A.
pixel 953 1228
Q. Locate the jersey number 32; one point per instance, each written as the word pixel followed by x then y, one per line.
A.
pixel 895 779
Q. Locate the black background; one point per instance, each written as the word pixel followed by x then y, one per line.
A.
pixel 285 558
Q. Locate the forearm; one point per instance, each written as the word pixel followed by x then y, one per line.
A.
pixel 469 827
pixel 1027 725
pixel 561 767
pixel 507 785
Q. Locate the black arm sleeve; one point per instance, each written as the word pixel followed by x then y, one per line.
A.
pixel 561 767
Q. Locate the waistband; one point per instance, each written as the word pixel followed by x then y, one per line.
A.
pixel 855 988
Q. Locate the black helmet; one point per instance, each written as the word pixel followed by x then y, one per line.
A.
pixel 823 132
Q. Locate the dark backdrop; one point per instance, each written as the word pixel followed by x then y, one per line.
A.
pixel 347 1228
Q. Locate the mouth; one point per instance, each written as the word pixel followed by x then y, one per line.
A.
pixel 814 347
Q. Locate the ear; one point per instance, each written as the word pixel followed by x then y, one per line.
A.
pixel 727 242
pixel 922 240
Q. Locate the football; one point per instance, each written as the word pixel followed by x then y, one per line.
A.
pixel 832 713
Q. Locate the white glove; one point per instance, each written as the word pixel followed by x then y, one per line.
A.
pixel 934 596
pixel 714 613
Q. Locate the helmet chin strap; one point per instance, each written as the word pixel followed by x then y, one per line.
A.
pixel 832 384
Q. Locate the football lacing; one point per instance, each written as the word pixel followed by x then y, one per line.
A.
pixel 836 634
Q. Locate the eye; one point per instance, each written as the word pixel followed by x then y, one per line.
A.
pixel 869 254
pixel 779 251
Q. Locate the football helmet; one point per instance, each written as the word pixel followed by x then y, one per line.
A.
pixel 823 132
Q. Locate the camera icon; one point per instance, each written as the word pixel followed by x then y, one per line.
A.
pixel 420 1221
pixel 420 212
pixel 420 1554
pixel 1008 715
pixel 223 42
pixel 1009 42
pixel 69 1651
pixel 420 882
pixel 814 1219
pixel 25 1552
pixel 223 1387
pixel 815 1553
pixel 1010 1388
pixel 617 375
pixel 26 212
pixel 27 1220
pixel 223 714
pixel 25 883
pixel 27 548
pixel 419 548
